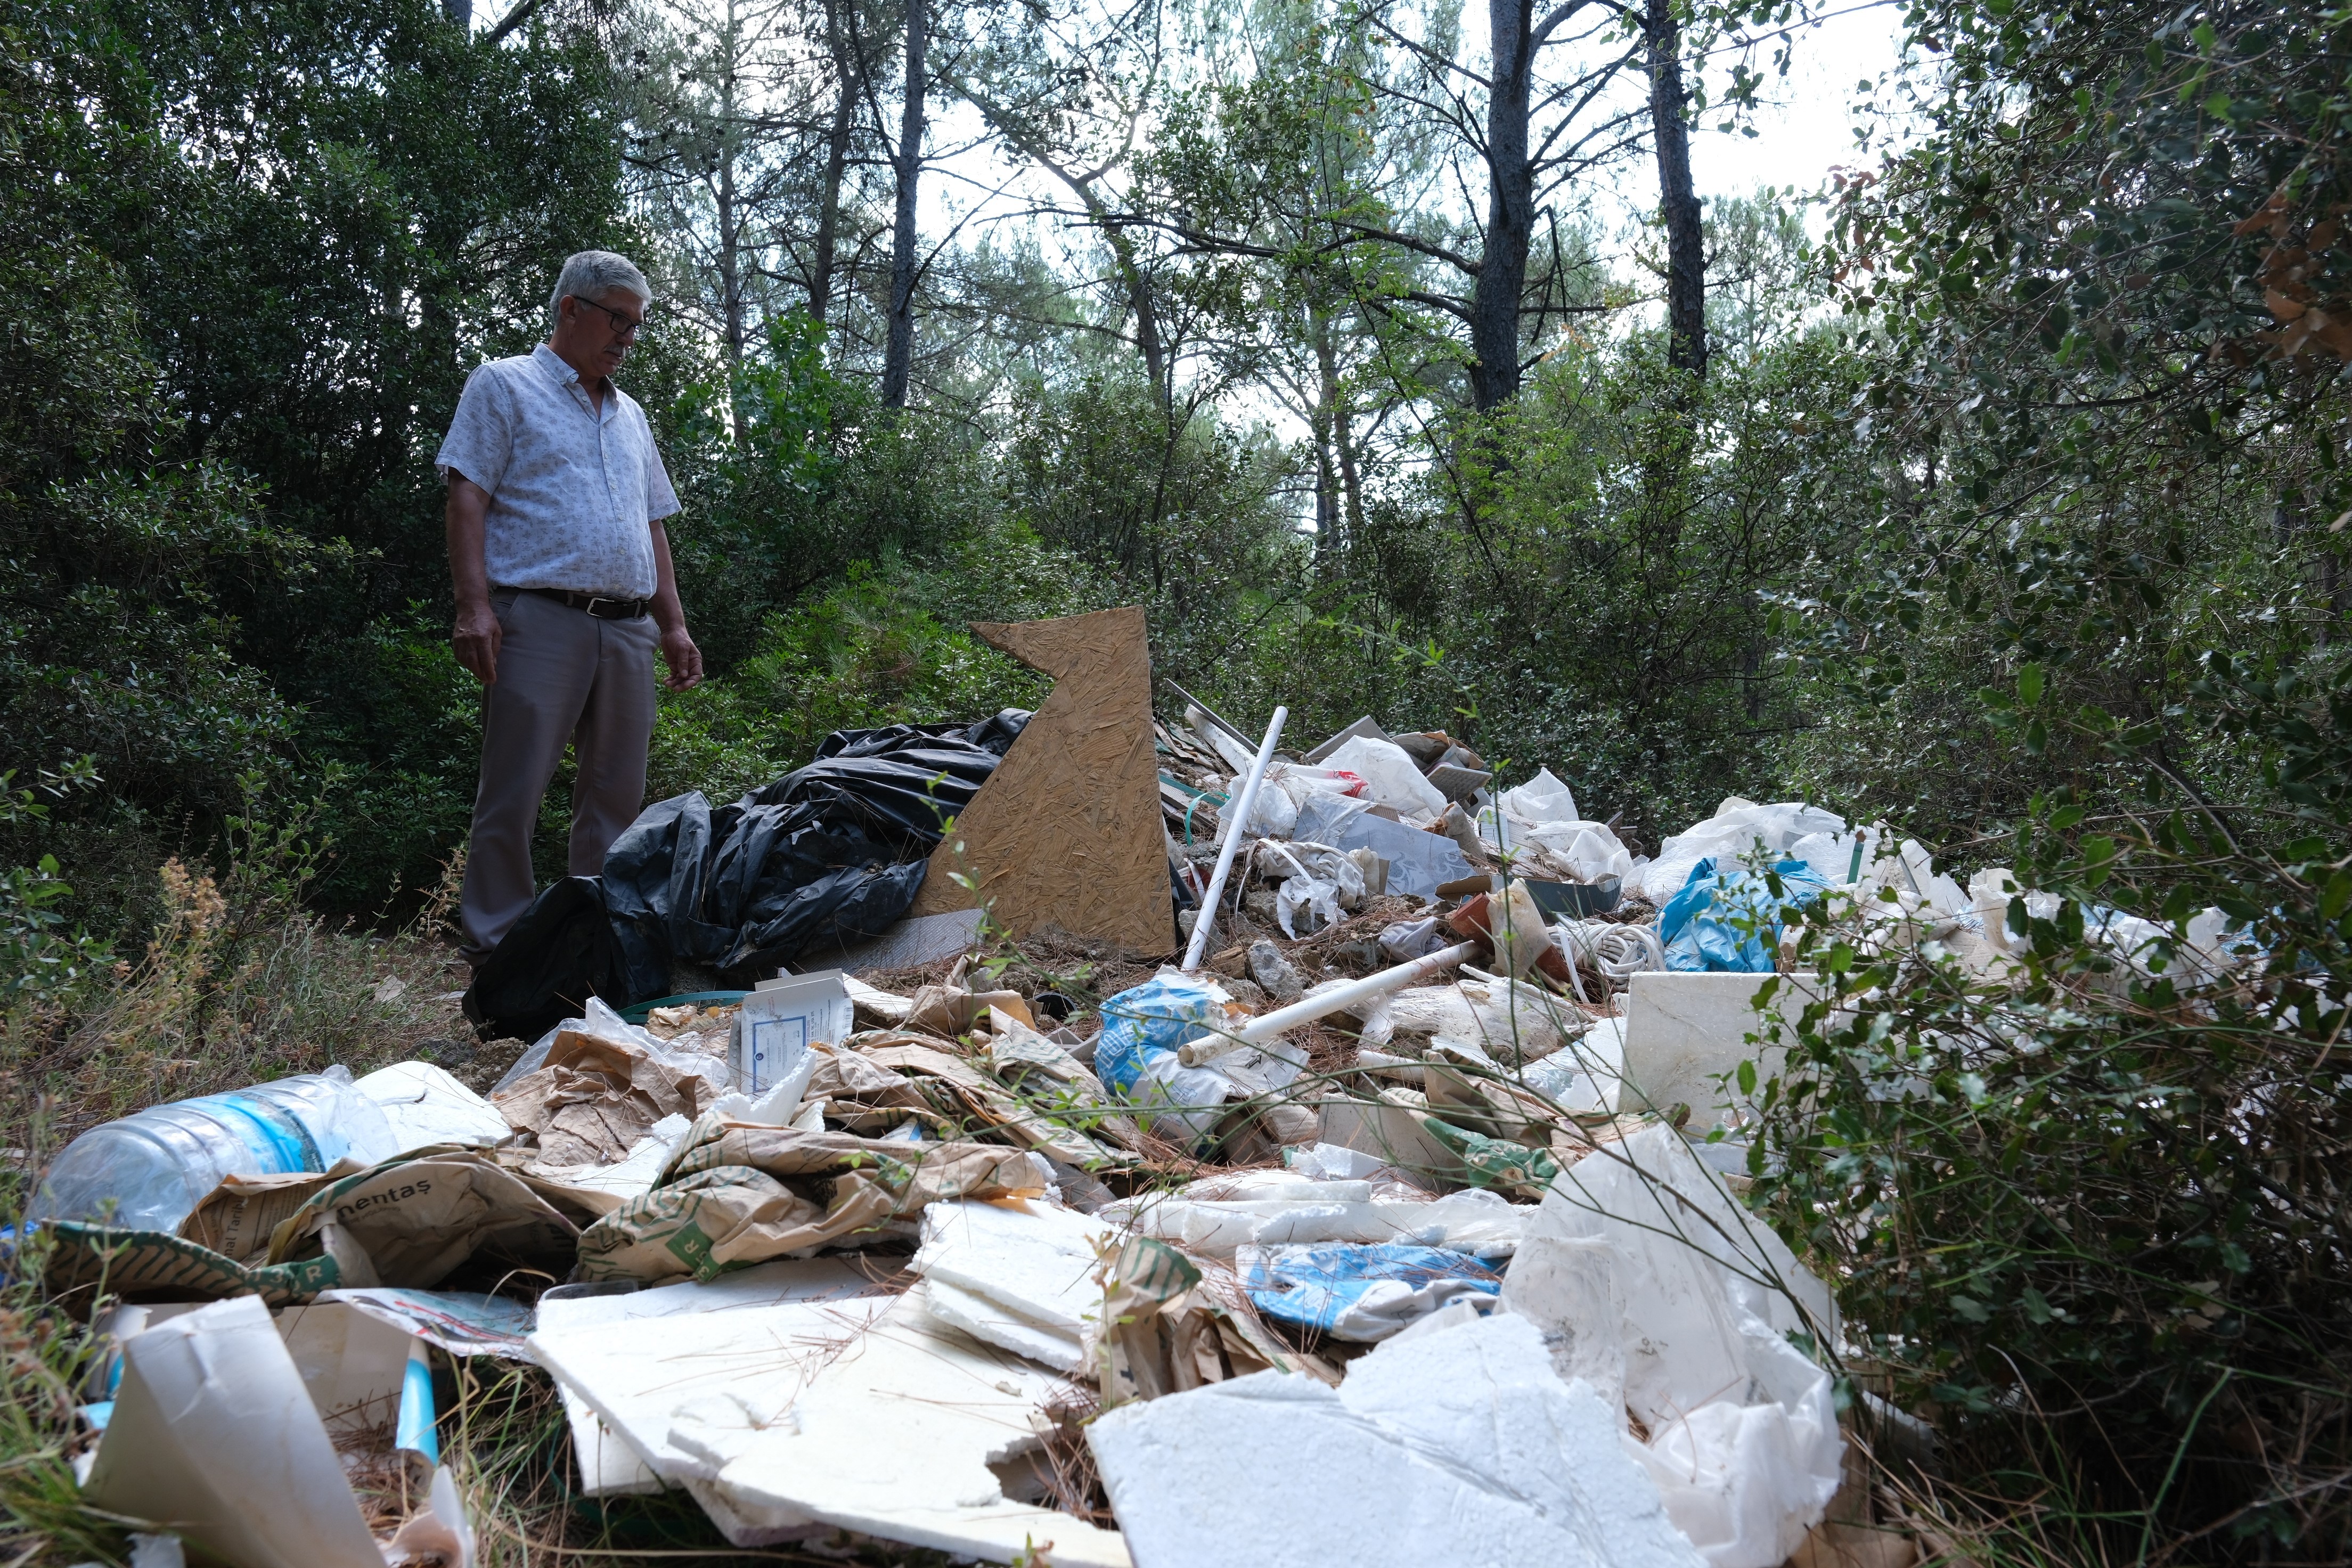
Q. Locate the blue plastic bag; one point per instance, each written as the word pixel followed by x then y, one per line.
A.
pixel 1704 924
pixel 1148 1020
pixel 1363 1293
pixel 1135 1056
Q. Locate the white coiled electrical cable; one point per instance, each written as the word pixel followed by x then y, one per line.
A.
pixel 1616 951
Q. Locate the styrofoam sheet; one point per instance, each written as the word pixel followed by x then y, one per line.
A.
pixel 1035 1262
pixel 635 1373
pixel 1460 1445
pixel 609 1465
pixel 894 1438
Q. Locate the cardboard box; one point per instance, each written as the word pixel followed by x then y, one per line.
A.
pixel 233 1431
pixel 782 1019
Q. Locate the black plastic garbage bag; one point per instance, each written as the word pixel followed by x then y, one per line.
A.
pixel 829 855
pixel 562 951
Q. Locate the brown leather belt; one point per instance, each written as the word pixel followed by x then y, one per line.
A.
pixel 603 606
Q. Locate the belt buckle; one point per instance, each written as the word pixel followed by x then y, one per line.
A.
pixel 596 599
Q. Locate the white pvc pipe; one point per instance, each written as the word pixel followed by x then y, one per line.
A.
pixel 1208 1048
pixel 1236 815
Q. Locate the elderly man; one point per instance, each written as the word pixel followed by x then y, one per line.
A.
pixel 564 580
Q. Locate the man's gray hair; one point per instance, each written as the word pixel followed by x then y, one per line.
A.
pixel 589 274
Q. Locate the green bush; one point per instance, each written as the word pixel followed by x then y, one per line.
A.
pixel 2091 1215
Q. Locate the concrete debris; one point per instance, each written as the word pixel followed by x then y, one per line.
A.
pixel 1276 974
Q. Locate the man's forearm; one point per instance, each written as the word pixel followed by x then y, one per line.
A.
pixel 464 524
pixel 476 636
pixel 669 611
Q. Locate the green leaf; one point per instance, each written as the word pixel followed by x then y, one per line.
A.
pixel 2037 737
pixel 2028 684
pixel 2337 896
pixel 2218 106
pixel 1748 1077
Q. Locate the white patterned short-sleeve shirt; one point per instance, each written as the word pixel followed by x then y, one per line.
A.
pixel 572 490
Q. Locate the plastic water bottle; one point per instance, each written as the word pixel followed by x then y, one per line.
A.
pixel 150 1170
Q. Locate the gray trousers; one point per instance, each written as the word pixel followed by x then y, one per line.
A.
pixel 563 677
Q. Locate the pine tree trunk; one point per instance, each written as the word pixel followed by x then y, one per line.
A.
pixel 848 73
pixel 898 357
pixel 1677 200
pixel 1510 209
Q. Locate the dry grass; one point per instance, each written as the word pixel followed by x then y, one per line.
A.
pixel 238 984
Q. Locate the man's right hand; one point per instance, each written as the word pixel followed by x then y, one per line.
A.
pixel 476 637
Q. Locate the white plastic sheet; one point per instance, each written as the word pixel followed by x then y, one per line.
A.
pixel 1735 829
pixel 1478 1221
pixel 1651 1279
pixel 1390 777
pixel 1542 798
pixel 426 1105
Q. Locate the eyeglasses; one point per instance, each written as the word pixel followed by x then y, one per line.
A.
pixel 624 327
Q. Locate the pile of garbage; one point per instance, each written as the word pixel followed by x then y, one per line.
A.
pixel 1395 1220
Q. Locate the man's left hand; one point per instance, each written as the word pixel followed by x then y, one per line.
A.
pixel 685 659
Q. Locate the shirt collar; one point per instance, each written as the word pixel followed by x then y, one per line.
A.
pixel 553 367
pixel 552 363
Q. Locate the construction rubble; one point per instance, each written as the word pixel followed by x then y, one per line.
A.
pixel 1383 1209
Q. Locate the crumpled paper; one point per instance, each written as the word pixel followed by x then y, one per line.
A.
pixel 597 1095
pixel 737 1194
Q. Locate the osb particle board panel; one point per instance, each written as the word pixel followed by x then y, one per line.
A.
pixel 1066 831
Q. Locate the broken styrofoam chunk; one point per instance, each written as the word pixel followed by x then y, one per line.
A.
pixel 1017 1275
pixel 1743 1437
pixel 1457 1446
pixel 994 1322
pixel 608 1466
pixel 894 1438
